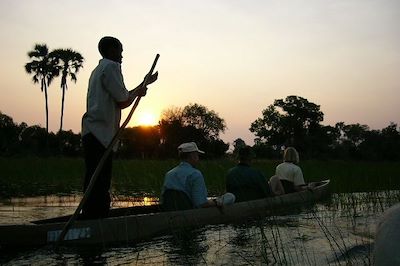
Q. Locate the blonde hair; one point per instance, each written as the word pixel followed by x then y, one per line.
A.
pixel 291 155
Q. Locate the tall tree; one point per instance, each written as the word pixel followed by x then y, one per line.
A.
pixel 44 69
pixel 353 134
pixel 8 133
pixel 70 63
pixel 293 121
pixel 196 123
pixel 203 119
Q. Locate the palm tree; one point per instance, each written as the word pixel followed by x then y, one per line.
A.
pixel 70 63
pixel 44 69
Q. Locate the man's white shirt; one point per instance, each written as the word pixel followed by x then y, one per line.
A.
pixel 106 89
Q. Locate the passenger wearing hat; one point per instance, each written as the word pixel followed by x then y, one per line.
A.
pixel 184 186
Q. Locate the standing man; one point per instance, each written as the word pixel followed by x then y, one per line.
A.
pixel 106 96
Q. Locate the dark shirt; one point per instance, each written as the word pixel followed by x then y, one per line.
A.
pixel 247 183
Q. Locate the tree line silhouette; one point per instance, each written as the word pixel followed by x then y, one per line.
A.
pixel 293 121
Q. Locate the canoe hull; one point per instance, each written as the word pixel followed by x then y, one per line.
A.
pixel 130 228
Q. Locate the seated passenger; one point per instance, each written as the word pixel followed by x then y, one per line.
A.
pixel 184 186
pixel 245 182
pixel 289 172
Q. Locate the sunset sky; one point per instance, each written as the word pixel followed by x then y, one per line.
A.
pixel 233 56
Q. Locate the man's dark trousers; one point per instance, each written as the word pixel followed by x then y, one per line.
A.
pixel 98 202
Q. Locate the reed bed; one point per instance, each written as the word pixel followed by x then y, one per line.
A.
pixel 42 176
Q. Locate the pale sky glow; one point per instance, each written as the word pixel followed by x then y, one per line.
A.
pixel 233 56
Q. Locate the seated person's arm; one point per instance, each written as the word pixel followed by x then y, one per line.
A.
pixel 276 186
pixel 199 192
pixel 299 184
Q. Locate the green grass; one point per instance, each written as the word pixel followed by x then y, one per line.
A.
pixel 351 176
pixel 41 176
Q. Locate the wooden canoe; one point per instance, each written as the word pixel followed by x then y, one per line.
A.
pixel 134 224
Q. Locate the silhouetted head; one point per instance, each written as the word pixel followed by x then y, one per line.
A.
pixel 111 48
pixel 291 155
pixel 246 154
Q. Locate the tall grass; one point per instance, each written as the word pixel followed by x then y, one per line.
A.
pixel 39 176
pixel 42 176
pixel 354 176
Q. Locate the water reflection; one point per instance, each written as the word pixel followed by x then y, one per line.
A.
pixel 337 233
pixel 85 256
pixel 118 201
pixel 186 247
pixel 24 210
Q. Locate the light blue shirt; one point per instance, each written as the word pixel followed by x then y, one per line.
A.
pixel 188 179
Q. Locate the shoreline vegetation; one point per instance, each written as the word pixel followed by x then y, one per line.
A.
pixel 35 176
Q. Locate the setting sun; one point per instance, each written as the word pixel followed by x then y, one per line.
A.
pixel 147 119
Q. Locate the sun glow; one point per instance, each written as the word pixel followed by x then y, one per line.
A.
pixel 147 119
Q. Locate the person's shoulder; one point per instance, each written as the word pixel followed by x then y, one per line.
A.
pixel 187 167
pixel 235 168
pixel 256 173
pixel 108 64
pixel 287 164
pixel 176 168
pixel 192 172
pixel 197 172
pixel 295 166
pixel 170 172
pixel 232 171
pixel 106 61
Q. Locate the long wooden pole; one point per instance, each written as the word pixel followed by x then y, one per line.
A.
pixel 102 161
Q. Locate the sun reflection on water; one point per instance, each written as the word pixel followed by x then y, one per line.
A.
pixel 74 200
pixel 25 209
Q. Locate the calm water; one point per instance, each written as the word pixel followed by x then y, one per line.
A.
pixel 334 233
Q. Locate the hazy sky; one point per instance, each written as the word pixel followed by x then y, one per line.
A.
pixel 233 56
